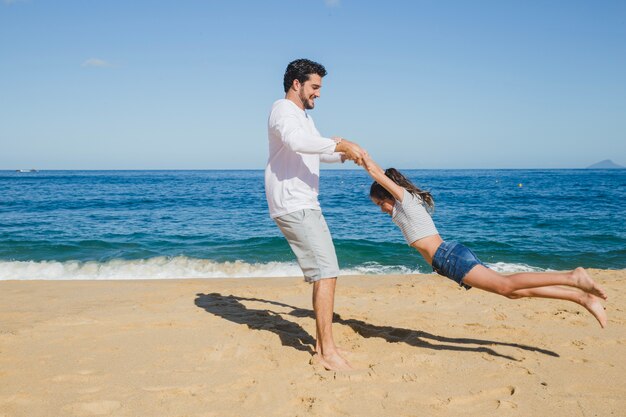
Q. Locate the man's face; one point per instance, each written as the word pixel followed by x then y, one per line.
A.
pixel 310 90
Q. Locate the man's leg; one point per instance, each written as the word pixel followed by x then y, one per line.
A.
pixel 310 240
pixel 323 307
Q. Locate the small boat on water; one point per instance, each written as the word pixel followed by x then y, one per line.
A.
pixel 26 170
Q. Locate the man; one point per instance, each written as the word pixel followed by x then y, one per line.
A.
pixel 296 149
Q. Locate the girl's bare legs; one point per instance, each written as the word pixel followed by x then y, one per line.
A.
pixel 489 280
pixel 592 303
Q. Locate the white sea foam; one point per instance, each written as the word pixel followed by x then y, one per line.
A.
pixel 184 267
pixel 166 268
pixel 506 268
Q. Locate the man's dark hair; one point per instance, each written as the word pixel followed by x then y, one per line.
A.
pixel 300 69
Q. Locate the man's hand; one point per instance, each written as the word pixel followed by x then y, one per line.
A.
pixel 351 151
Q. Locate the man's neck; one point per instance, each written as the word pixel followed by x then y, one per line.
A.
pixel 295 98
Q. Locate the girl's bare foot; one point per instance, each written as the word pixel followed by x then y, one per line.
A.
pixel 586 283
pixel 595 307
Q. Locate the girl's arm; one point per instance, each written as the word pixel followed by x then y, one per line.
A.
pixel 378 174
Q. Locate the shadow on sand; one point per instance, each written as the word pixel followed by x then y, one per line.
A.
pixel 230 307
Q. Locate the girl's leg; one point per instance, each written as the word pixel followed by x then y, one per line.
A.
pixel 489 280
pixel 589 301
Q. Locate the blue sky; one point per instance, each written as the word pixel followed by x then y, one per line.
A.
pixel 419 84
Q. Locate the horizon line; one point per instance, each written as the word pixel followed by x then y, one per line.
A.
pixel 33 170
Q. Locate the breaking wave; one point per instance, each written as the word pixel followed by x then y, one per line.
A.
pixel 182 267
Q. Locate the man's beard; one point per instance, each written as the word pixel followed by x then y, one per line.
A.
pixel 306 103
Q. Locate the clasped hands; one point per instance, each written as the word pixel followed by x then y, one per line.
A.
pixel 351 151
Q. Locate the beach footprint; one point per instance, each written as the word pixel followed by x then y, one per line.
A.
pixel 95 408
pixel 176 390
pixel 490 399
pixel 79 377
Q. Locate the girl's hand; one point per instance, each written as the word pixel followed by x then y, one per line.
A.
pixel 370 166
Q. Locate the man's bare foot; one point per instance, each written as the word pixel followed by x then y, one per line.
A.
pixel 341 351
pixel 587 284
pixel 331 362
pixel 595 307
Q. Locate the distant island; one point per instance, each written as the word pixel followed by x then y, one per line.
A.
pixel 606 164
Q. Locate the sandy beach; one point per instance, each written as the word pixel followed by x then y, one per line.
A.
pixel 242 347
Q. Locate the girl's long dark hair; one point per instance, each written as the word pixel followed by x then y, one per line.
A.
pixel 379 192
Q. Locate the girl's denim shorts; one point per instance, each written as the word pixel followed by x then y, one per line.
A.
pixel 454 261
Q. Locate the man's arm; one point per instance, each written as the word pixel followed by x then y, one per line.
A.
pixel 332 158
pixel 351 150
pixel 295 137
pixel 298 139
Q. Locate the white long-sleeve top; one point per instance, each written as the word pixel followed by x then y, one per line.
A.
pixel 293 167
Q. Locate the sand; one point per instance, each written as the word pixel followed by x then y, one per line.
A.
pixel 242 347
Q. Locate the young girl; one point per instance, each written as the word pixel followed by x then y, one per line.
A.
pixel 407 205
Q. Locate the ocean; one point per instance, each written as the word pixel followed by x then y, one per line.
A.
pixel 203 224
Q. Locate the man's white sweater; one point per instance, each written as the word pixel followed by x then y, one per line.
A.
pixel 296 149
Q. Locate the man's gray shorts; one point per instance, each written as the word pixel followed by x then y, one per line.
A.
pixel 309 238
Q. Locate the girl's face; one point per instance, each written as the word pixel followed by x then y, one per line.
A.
pixel 386 205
